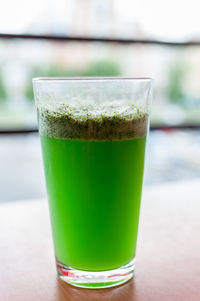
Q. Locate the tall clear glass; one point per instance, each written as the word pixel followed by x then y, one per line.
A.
pixel 93 135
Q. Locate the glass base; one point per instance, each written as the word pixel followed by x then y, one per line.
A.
pixel 96 280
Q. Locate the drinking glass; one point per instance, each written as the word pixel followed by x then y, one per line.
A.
pixel 93 136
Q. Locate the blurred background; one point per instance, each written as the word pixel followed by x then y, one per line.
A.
pixel 100 38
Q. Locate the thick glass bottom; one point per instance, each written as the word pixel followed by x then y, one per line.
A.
pixel 96 280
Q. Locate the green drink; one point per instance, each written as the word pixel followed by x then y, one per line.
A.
pixel 94 162
pixel 94 191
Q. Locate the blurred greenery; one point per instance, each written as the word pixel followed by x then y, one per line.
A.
pixel 3 93
pixel 102 68
pixel 95 68
pixel 176 73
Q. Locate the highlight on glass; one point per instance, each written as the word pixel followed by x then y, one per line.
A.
pixel 93 136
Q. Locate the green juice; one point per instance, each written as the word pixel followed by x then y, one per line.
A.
pixel 94 191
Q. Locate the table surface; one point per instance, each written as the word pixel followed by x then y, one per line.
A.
pixel 168 253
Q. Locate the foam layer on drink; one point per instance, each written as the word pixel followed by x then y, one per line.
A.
pixel 112 121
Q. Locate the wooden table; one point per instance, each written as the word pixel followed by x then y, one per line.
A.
pixel 168 254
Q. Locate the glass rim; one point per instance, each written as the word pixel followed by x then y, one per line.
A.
pixel 90 79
